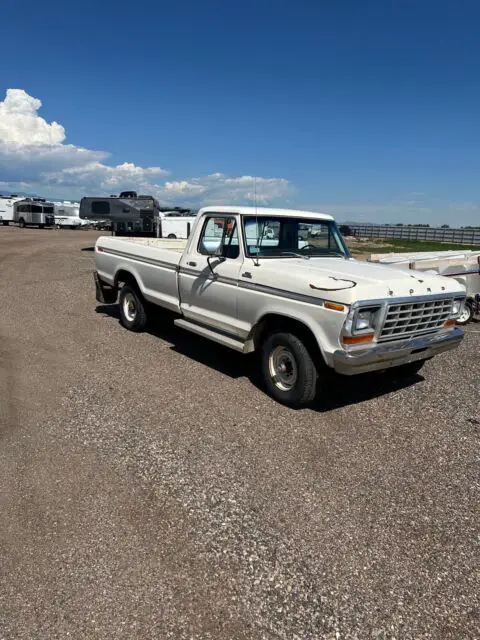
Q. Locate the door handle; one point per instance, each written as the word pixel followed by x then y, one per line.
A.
pixel 246 274
pixel 192 264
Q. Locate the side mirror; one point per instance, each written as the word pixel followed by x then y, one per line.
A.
pixel 217 253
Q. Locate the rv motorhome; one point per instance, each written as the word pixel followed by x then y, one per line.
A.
pixel 129 214
pixel 33 212
pixel 137 215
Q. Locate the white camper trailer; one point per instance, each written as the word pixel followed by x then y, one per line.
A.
pixel 6 208
pixel 463 265
pixel 67 215
pixel 33 212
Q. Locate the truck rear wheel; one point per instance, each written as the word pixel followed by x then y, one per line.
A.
pixel 133 314
pixel 289 372
pixel 5 223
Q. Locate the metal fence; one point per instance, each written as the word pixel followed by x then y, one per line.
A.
pixel 452 236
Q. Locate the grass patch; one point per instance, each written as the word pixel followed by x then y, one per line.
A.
pixel 404 246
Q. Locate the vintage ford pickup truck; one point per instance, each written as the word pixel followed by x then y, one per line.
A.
pixel 282 282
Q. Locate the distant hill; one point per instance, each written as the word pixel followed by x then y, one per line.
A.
pixel 21 194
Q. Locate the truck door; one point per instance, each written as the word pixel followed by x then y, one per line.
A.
pixel 208 278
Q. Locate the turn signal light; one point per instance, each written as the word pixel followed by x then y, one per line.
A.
pixel 333 306
pixel 357 339
pixel 449 323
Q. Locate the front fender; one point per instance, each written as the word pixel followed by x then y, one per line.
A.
pixel 325 324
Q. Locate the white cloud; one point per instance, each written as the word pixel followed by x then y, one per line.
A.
pixel 20 123
pixel 34 156
pixel 217 188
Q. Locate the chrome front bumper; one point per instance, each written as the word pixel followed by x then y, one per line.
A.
pixel 394 354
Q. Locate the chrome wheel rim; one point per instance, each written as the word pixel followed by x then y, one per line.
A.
pixel 465 315
pixel 283 368
pixel 129 307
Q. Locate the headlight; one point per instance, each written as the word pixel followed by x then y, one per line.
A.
pixel 363 320
pixel 457 307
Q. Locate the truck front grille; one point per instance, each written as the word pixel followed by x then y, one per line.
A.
pixel 412 319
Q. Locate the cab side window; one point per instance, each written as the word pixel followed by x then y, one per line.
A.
pixel 219 237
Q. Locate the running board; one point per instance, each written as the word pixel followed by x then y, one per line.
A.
pixel 211 334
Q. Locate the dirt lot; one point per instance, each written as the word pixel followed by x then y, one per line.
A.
pixel 149 488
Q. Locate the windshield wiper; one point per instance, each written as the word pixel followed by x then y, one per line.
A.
pixel 297 255
pixel 334 253
pixel 329 254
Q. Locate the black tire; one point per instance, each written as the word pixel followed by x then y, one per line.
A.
pixel 137 319
pixel 467 315
pixel 21 223
pixel 172 236
pixel 300 390
pixel 41 226
pixel 5 223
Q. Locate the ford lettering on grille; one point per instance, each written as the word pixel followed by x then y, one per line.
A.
pixel 412 319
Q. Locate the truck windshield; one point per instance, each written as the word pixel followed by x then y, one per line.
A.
pixel 283 237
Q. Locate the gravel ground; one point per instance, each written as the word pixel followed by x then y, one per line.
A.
pixel 150 489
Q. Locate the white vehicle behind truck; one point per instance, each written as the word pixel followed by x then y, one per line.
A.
pixel 7 208
pixel 67 215
pixel 34 212
pixel 463 265
pixel 282 283
pixel 174 227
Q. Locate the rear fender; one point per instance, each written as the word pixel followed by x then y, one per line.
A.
pixel 127 274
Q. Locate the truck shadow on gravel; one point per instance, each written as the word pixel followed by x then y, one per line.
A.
pixel 340 391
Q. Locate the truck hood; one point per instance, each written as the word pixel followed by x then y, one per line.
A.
pixel 347 281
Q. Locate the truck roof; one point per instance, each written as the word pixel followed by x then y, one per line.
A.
pixel 267 211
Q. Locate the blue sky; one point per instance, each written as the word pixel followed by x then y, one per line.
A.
pixel 365 110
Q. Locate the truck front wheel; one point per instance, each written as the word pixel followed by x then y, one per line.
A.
pixel 21 223
pixel 133 315
pixel 289 372
pixel 467 314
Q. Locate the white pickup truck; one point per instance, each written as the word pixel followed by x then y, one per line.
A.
pixel 282 282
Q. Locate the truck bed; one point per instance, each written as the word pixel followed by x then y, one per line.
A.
pixel 158 249
pixel 158 243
